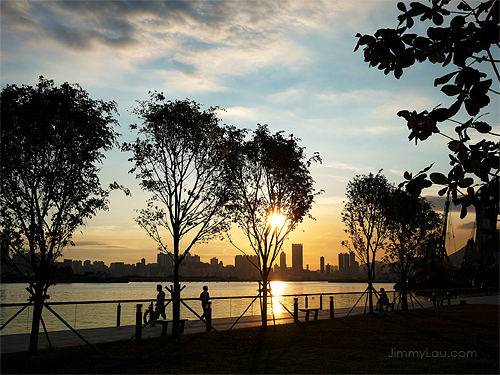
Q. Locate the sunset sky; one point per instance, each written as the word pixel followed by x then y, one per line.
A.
pixel 288 64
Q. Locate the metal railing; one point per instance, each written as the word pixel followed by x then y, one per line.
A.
pixel 85 314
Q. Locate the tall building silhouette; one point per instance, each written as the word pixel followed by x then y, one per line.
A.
pixel 348 265
pixel 322 264
pixel 297 259
pixel 283 262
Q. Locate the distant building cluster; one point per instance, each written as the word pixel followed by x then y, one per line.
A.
pixel 245 267
pixel 348 266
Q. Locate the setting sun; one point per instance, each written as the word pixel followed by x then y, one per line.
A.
pixel 276 220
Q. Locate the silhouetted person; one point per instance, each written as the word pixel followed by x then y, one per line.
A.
pixel 160 303
pixel 204 297
pixel 383 300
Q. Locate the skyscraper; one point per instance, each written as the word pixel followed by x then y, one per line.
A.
pixel 283 262
pixel 322 264
pixel 297 259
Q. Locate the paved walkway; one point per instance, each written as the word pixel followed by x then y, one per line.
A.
pixel 20 342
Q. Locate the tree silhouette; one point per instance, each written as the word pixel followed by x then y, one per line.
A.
pixel 413 226
pixel 467 43
pixel 273 192
pixel 52 140
pixel 181 156
pixel 365 215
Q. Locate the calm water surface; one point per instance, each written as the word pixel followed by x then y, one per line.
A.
pixel 104 315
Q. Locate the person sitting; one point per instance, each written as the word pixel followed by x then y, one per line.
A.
pixel 383 300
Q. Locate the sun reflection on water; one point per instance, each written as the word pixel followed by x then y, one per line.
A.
pixel 278 289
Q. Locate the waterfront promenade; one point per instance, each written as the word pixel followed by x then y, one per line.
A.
pixel 20 342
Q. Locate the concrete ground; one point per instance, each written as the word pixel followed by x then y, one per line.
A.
pixel 20 342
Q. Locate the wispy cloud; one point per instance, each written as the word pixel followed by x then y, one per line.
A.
pixel 329 200
pixel 216 38
pixel 98 244
pixel 345 166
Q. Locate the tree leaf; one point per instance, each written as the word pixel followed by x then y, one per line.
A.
pixel 443 191
pixel 450 90
pixel 427 168
pixel 463 211
pixel 437 18
pixel 440 114
pixel 466 182
pixel 439 178
pixel 482 127
pixel 405 114
pixel 444 79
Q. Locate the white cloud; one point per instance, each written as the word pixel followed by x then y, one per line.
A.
pixel 184 82
pixel 240 113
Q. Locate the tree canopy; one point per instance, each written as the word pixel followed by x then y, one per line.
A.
pixel 273 192
pixel 466 37
pixel 365 216
pixel 414 228
pixel 181 156
pixel 53 139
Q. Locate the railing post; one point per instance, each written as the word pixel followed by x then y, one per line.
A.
pixel 295 310
pixel 118 314
pixel 208 316
pixel 138 321
pixel 307 304
pixel 321 302
pixel 434 299
pixel 449 298
pixel 332 312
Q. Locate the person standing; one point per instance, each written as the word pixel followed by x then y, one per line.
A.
pixel 204 297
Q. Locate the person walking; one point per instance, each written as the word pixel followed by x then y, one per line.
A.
pixel 160 303
pixel 204 297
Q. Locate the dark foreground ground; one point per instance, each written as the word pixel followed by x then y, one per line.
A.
pixel 460 339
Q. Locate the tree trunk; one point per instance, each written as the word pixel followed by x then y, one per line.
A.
pixel 404 298
pixel 35 324
pixel 370 295
pixel 176 295
pixel 371 275
pixel 264 302
pixel 176 302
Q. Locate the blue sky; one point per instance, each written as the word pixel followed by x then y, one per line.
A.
pixel 289 64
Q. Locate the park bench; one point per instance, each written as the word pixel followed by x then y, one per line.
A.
pixel 308 311
pixel 389 305
pixel 164 324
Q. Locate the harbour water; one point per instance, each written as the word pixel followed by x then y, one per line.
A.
pixel 105 314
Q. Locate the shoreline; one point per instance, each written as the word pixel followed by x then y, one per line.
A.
pixel 131 279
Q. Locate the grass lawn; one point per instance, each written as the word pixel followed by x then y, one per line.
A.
pixel 460 339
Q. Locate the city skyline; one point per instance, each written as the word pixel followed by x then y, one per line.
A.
pixel 283 259
pixel 288 64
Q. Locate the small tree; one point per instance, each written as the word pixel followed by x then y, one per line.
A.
pixel 366 218
pixel 468 42
pixel 413 227
pixel 52 139
pixel 273 193
pixel 180 157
